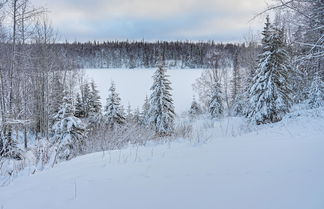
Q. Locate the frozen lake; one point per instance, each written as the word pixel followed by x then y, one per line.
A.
pixel 133 84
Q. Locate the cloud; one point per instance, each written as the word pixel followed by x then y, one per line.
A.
pixel 151 19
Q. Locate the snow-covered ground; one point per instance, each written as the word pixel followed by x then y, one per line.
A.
pixel 133 84
pixel 226 165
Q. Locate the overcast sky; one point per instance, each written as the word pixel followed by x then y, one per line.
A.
pixel 219 20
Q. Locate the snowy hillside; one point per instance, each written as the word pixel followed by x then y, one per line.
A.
pixel 226 166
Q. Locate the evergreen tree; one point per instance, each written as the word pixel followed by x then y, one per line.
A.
pixel 161 112
pixel 9 148
pixel 113 114
pixel 129 114
pixel 194 108
pixel 215 106
pixel 269 96
pixel 145 111
pixel 94 115
pixel 79 113
pixel 137 117
pixel 316 93
pixel 86 99
pixel 237 106
pixel 95 103
pixel 69 131
pixel 236 80
pixel 56 97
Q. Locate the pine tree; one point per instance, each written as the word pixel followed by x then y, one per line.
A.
pixel 161 113
pixel 194 108
pixel 215 106
pixel 316 93
pixel 269 96
pixel 69 131
pixel 113 114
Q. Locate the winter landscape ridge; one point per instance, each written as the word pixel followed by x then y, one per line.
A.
pixel 171 104
pixel 277 166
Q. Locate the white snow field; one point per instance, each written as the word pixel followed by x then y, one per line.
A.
pixel 133 84
pixel 280 166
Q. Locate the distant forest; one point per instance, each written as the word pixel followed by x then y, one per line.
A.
pixel 125 54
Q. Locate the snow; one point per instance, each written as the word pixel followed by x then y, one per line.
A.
pixel 133 84
pixel 232 165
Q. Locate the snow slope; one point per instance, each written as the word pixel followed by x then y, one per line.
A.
pixel 280 166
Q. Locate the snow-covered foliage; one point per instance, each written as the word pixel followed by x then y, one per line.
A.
pixel 95 112
pixel 79 112
pixel 56 95
pixel 95 103
pixel 88 104
pixel 113 114
pixel 316 93
pixel 215 106
pixel 205 84
pixel 270 94
pixel 9 148
pixel 161 112
pixel 145 111
pixel 195 108
pixel 69 131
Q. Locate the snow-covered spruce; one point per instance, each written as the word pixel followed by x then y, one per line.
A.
pixel 79 112
pixel 145 112
pixel 95 113
pixel 237 103
pixel 215 106
pixel 195 108
pixel 161 112
pixel 270 95
pixel 113 114
pixel 69 131
pixel 95 104
pixel 316 93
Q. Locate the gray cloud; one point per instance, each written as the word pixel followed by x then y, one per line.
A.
pixel 219 20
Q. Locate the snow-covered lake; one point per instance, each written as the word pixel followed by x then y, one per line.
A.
pixel 133 84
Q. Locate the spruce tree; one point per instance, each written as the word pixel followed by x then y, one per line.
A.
pixel 79 113
pixel 69 131
pixel 215 106
pixel 137 118
pixel 95 114
pixel 161 113
pixel 145 111
pixel 194 108
pixel 95 103
pixel 316 93
pixel 129 114
pixel 56 97
pixel 86 98
pixel 269 96
pixel 237 106
pixel 113 114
